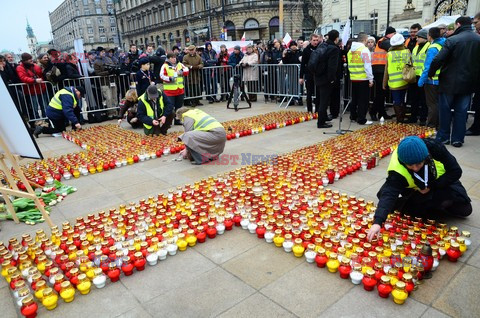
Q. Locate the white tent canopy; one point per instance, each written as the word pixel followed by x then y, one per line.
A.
pixel 443 20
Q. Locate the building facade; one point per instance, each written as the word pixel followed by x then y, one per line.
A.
pixel 178 22
pixel 92 20
pixel 403 13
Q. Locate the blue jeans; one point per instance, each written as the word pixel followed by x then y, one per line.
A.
pixel 398 96
pixel 454 125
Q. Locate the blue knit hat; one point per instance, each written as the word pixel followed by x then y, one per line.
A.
pixel 412 150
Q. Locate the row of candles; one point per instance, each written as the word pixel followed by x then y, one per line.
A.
pixel 109 146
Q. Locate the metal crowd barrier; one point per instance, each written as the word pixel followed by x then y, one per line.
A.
pixel 103 93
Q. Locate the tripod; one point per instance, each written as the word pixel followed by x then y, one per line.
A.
pixel 237 91
pixel 343 109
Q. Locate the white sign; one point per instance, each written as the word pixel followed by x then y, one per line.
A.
pixel 13 129
pixel 251 24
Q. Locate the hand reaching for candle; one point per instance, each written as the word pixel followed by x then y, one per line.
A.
pixel 155 122
pixel 163 119
pixel 373 231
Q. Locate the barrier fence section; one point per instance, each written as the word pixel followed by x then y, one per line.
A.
pixel 278 83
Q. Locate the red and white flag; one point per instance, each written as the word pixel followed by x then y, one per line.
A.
pixel 243 37
pixel 287 39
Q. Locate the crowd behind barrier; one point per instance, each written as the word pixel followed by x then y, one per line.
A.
pixel 265 69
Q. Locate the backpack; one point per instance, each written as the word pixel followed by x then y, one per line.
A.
pixel 316 56
pixel 53 74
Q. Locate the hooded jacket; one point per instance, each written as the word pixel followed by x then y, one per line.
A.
pixel 366 58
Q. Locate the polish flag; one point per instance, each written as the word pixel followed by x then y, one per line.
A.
pixel 243 37
pixel 287 39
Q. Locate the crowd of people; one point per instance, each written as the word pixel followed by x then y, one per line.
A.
pixel 444 76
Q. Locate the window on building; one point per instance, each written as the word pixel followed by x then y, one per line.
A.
pixel 112 20
pixel 101 29
pixel 77 12
pixel 169 13
pixel 98 10
pixel 76 3
pixel 89 21
pixel 85 2
pixel 184 8
pixel 103 38
pixel 176 11
pixel 149 19
pixel 80 21
pixel 178 33
pixel 164 36
pixel 355 17
pixel 155 18
pixel 113 29
pixel 100 21
pixel 336 20
pixel 163 15
pixel 86 11
pixel 90 39
pixel 109 1
pixel 90 30
pixel 97 2
pixel 192 5
pixel 110 40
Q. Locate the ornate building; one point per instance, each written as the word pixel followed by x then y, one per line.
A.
pixel 31 40
pixel 92 20
pixel 177 22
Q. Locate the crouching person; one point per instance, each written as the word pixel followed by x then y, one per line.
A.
pixel 204 136
pixel 155 116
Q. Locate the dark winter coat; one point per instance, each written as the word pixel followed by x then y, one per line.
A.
pixel 396 184
pixel 326 72
pixel 459 60
pixel 304 71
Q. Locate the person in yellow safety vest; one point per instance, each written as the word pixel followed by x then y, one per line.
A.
pixel 154 115
pixel 430 85
pixel 173 74
pixel 361 76
pixel 417 95
pixel 379 59
pixel 427 176
pixel 61 109
pixel 397 57
pixel 204 136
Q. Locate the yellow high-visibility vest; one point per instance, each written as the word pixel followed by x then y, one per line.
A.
pixel 396 166
pixel 396 61
pixel 149 108
pixel 57 103
pixel 202 120
pixel 419 58
pixel 355 64
pixel 438 47
pixel 178 81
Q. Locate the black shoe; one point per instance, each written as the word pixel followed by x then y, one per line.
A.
pixel 374 117
pixel 325 125
pixel 210 101
pixel 218 100
pixel 198 104
pixel 386 116
pixel 38 130
pixel 472 133
pixel 457 144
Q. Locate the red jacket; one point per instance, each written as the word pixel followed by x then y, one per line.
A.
pixel 28 75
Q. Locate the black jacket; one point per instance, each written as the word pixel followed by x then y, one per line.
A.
pixel 72 71
pixel 396 184
pixel 304 71
pixel 327 70
pixel 460 62
pixel 292 57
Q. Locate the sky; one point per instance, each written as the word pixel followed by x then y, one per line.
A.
pixel 13 22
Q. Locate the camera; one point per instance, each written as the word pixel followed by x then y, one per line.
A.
pixel 112 69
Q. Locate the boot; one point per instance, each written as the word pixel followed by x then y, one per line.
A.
pixel 399 112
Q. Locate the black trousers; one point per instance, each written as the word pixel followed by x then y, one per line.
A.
pixel 310 86
pixel 335 100
pixel 378 107
pixel 359 103
pixel 58 125
pixel 418 102
pixel 476 120
pixel 324 94
pixel 435 203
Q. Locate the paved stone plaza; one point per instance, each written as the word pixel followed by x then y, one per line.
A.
pixel 237 274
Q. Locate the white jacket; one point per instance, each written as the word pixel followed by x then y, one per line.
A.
pixel 366 57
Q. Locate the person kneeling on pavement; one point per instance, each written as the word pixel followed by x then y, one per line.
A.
pixel 153 113
pixel 427 176
pixel 60 110
pixel 204 136
pixel 128 109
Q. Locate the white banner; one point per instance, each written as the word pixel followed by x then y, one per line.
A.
pixel 346 33
pixel 230 45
